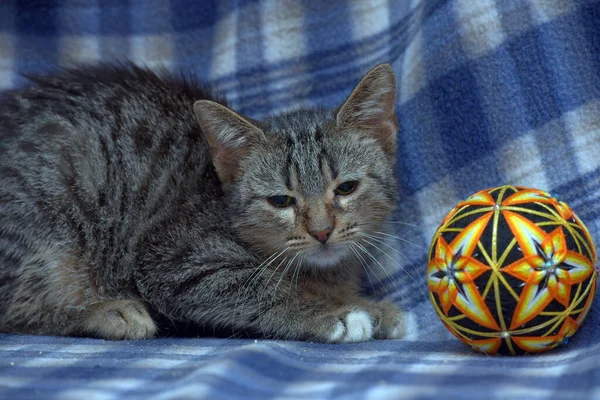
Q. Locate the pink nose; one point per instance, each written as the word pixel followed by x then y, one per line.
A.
pixel 321 236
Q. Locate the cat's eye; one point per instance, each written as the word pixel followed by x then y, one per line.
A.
pixel 281 201
pixel 346 188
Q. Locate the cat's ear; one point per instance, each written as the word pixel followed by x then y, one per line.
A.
pixel 229 135
pixel 370 107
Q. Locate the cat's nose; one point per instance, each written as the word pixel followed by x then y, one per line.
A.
pixel 321 236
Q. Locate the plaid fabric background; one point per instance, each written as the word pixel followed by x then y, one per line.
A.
pixel 490 92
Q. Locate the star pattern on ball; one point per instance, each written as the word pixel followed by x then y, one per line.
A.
pixel 538 196
pixel 536 344
pixel 511 270
pixel 525 196
pixel 531 344
pixel 451 274
pixel 547 268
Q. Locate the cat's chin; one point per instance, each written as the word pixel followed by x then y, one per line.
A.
pixel 326 256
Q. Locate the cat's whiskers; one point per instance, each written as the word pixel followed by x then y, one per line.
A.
pixel 291 242
pixel 258 271
pixel 269 280
pixel 297 243
pixel 402 223
pixel 297 274
pixel 260 299
pixel 382 235
pixel 349 234
pixel 265 264
pixel 300 247
pixel 365 265
pixel 283 274
pixel 392 258
pixel 372 257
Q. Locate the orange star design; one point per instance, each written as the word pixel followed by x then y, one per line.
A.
pixel 452 272
pixel 482 198
pixel 548 268
pixel 486 346
pixel 538 196
pixel 528 196
pixel 537 344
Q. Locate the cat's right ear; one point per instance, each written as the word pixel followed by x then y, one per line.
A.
pixel 370 107
pixel 229 135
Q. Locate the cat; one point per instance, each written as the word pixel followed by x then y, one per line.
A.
pixel 128 195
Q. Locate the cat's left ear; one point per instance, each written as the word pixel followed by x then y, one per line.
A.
pixel 370 107
pixel 229 135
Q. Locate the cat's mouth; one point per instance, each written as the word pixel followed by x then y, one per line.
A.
pixel 326 255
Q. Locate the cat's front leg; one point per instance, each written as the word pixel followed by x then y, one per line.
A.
pixel 391 320
pixel 358 323
pixel 333 318
pixel 245 295
pixel 117 320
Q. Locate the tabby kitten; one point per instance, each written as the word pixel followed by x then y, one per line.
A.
pixel 129 196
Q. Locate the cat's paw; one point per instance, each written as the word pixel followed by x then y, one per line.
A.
pixel 119 320
pixel 369 321
pixel 390 322
pixel 355 326
pixel 347 325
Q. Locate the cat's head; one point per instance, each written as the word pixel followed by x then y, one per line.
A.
pixel 310 183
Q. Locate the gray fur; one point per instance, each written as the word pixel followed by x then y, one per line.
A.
pixel 116 212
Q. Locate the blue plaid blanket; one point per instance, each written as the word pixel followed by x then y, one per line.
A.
pixel 490 92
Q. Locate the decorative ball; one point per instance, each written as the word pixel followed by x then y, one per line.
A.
pixel 511 271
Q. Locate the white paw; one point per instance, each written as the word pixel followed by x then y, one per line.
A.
pixel 398 331
pixel 359 326
pixel 356 327
pixel 338 332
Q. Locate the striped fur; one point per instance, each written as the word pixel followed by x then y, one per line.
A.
pixel 113 216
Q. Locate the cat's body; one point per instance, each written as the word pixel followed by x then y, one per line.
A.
pixel 114 207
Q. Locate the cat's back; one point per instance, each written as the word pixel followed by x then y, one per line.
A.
pixel 125 99
pixel 122 114
pixel 104 142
